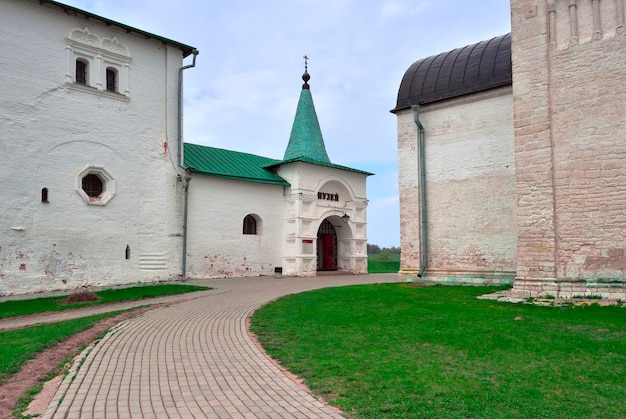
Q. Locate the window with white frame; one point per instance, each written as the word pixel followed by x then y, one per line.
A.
pixel 81 71
pixel 101 64
pixel 95 185
pixel 111 79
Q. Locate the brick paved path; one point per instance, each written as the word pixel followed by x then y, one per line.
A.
pixel 194 359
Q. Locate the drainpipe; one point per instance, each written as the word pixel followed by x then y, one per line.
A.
pixel 195 53
pixel 422 184
pixel 185 200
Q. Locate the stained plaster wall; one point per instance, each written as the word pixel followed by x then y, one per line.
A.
pixel 470 189
pixel 52 130
pixel 216 246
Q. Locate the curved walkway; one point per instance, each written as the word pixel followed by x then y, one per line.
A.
pixel 194 359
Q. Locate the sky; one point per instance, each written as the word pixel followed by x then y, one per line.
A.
pixel 242 94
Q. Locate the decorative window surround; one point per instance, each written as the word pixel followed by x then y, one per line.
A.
pixel 99 54
pixel 108 185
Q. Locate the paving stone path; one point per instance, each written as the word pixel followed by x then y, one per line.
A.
pixel 194 359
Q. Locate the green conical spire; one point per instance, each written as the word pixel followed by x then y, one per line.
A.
pixel 306 136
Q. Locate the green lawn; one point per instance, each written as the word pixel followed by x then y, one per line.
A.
pixel 375 266
pixel 401 351
pixel 41 305
pixel 19 345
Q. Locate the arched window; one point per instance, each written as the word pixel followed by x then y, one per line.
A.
pixel 249 225
pixel 81 72
pixel 44 195
pixel 111 79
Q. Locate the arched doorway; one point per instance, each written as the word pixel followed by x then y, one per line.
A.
pixel 326 247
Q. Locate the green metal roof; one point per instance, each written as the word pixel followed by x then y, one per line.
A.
pixel 319 163
pixel 229 164
pixel 306 136
pixel 70 10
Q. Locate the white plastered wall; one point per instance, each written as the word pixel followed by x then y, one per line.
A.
pixel 52 130
pixel 216 245
pixel 306 209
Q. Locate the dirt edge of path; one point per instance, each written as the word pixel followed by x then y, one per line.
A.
pixel 36 370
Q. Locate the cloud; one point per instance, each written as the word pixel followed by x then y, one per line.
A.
pixel 391 9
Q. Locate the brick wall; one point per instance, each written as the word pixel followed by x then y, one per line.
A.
pixel 470 189
pixel 570 140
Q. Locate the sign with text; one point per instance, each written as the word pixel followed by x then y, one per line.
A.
pixel 328 196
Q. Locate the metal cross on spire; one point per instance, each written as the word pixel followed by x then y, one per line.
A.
pixel 306 77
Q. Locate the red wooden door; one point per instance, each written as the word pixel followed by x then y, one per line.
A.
pixel 328 254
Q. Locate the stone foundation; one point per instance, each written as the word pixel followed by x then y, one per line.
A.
pixel 565 289
pixel 457 277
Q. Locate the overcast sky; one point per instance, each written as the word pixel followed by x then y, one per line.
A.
pixel 243 93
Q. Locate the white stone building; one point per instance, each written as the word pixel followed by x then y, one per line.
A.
pixel 94 186
pixel 298 216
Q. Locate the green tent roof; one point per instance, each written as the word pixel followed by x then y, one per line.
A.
pixel 228 164
pixel 306 136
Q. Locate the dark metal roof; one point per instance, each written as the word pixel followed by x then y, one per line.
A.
pixel 462 71
pixel 70 10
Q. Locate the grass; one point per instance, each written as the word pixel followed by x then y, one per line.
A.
pixel 20 345
pixel 375 266
pixel 30 395
pixel 400 351
pixel 41 305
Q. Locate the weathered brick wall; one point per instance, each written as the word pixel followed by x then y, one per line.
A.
pixel 470 189
pixel 408 184
pixel 533 142
pixel 570 136
pixel 588 94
